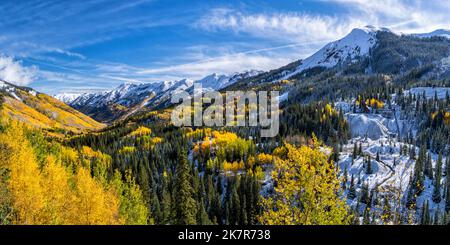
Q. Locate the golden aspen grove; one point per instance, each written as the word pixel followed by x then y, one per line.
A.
pixel 53 184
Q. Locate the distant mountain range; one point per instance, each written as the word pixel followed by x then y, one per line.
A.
pixel 130 97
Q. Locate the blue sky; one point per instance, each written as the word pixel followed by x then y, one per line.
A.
pixel 79 46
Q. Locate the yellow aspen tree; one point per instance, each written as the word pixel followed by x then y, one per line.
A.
pixel 307 192
pixel 95 205
pixel 24 183
pixel 58 194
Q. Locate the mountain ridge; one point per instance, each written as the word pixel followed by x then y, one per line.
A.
pixel 42 111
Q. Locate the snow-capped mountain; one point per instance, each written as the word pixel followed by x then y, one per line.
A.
pixel 148 95
pixel 67 97
pixel 354 45
pixel 348 49
pixel 217 82
pixel 437 33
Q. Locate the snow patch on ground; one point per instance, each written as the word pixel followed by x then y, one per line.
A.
pixel 430 92
pixel 367 125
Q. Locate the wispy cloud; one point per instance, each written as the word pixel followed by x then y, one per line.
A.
pixel 408 16
pixel 298 27
pixel 226 61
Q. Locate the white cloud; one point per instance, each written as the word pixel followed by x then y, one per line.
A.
pixel 296 27
pixel 226 64
pixel 407 16
pixel 12 71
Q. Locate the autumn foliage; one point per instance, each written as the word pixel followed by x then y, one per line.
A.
pixel 307 192
pixel 65 186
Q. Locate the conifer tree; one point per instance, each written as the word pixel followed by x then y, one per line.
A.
pixel 428 167
pixel 426 219
pixel 355 151
pixel 369 166
pixel 437 180
pixel 345 179
pixel 351 189
pixel 185 204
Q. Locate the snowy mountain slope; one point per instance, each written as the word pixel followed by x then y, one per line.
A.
pixel 356 44
pixel 348 49
pixel 67 97
pixel 391 167
pixel 367 125
pixel 146 95
pixel 437 33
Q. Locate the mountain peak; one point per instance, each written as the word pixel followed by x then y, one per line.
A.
pixel 372 29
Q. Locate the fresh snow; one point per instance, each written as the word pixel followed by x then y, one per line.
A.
pixel 128 94
pixel 436 33
pixel 348 49
pixel 283 97
pixel 367 125
pixel 391 175
pixel 66 97
pixel 429 92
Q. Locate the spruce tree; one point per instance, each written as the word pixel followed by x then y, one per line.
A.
pixel 351 189
pixel 426 219
pixel 437 182
pixel 369 166
pixel 345 179
pixel 355 151
pixel 185 204
pixel 428 167
pixel 365 195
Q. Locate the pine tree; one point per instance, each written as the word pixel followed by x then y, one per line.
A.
pixel 447 197
pixel 345 179
pixel 365 196
pixel 437 182
pixel 418 177
pixel 369 166
pixel 185 204
pixel 428 167
pixel 426 219
pixel 351 189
